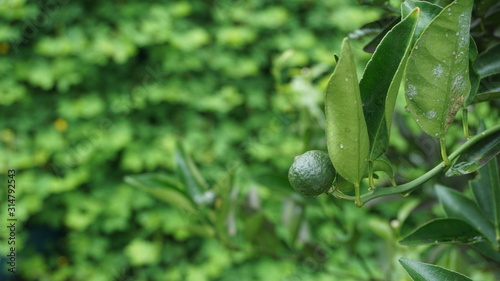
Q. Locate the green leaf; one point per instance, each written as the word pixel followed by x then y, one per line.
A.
pixel 486 190
pixel 379 85
pixel 190 176
pixel 428 12
pixel 488 63
pixel 420 271
pixel 489 89
pixel 437 78
pixel 372 45
pixel 342 184
pixel 476 156
pixel 486 249
pixel 456 205
pixel 383 164
pixel 379 27
pixel 162 187
pixel 443 230
pixel 346 132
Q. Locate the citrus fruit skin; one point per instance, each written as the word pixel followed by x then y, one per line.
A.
pixel 311 173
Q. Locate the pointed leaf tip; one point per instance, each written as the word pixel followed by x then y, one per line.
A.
pixel 346 131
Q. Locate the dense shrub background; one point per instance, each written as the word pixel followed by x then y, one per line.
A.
pixel 92 91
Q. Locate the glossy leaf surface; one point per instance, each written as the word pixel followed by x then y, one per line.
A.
pixel 443 230
pixel 456 205
pixel 383 73
pixel 428 12
pixel 346 132
pixel 488 63
pixel 388 24
pixel 489 89
pixel 476 156
pixel 420 271
pixel 486 190
pixel 437 74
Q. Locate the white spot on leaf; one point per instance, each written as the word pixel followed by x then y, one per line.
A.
pixel 458 84
pixel 411 91
pixel 431 114
pixel 438 71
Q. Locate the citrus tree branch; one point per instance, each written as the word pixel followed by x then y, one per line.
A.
pixel 410 186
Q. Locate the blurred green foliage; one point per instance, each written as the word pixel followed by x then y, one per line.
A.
pixel 93 91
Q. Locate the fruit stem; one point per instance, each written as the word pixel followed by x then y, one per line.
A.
pixel 358 195
pixel 444 155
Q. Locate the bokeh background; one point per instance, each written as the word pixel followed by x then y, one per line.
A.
pixel 94 91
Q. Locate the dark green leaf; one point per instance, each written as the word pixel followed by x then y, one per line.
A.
pixel 420 271
pixel 437 78
pixel 381 79
pixel 456 205
pixel 473 73
pixel 162 187
pixel 428 12
pixel 342 184
pixel 476 156
pixel 486 249
pixel 376 27
pixel 488 63
pixel 489 89
pixel 383 164
pixel 486 190
pixel 346 132
pixel 443 230
pixel 387 23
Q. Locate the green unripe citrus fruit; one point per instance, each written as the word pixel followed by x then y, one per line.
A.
pixel 311 173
